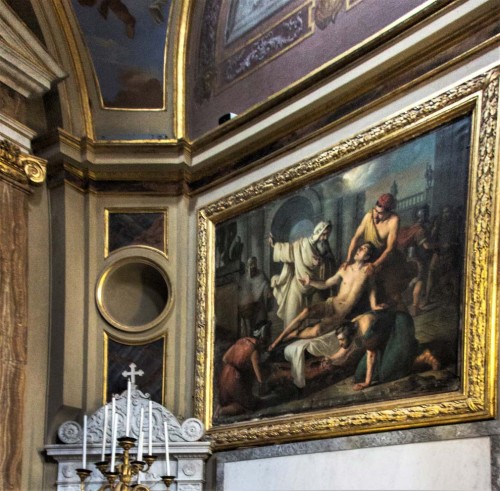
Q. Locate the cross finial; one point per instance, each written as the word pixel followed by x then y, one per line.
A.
pixel 132 374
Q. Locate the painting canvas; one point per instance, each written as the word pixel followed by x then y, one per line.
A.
pixel 342 291
pixel 261 254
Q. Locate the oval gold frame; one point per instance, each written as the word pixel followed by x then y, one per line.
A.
pixel 106 274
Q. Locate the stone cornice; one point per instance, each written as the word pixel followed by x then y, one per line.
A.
pixel 25 65
pixel 20 167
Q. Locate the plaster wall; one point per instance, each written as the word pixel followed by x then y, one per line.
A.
pixel 66 331
pixel 178 344
pixel 38 337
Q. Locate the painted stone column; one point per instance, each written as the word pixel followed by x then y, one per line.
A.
pixel 18 172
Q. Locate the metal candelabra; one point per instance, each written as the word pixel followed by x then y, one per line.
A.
pixel 124 474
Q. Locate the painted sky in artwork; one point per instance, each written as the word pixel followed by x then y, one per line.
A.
pixel 409 160
pixel 245 15
pixel 126 40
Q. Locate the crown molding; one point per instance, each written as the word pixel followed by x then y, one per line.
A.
pixel 25 65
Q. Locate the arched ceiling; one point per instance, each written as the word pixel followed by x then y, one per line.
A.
pixel 159 70
pixel 127 45
pixel 148 80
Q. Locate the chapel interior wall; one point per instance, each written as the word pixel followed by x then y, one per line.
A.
pixel 66 330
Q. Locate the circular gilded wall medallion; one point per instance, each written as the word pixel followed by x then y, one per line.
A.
pixel 134 294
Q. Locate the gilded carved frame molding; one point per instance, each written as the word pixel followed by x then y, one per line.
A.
pixel 477 397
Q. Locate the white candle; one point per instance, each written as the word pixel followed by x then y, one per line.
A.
pixel 113 419
pixel 113 443
pixel 113 414
pixel 141 444
pixel 150 436
pixel 84 452
pixel 127 421
pixel 167 458
pixel 104 433
pixel 141 422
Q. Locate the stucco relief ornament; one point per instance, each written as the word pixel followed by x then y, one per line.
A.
pixel 326 11
pixel 207 72
pixel 189 469
pixel 282 36
pixel 69 432
pixel 34 169
pixel 190 487
pixel 192 430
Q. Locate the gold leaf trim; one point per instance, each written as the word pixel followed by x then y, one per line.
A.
pixel 22 168
pixel 478 96
pixel 348 147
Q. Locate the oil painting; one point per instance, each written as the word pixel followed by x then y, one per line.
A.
pixel 370 258
pixel 348 292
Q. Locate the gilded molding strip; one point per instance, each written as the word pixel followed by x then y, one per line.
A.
pixel 346 148
pixel 180 64
pixel 477 399
pixel 22 168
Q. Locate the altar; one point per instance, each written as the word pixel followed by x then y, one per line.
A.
pixel 160 444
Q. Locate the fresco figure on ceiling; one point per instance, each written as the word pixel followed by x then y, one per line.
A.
pixel 157 8
pixel 119 9
pixel 300 258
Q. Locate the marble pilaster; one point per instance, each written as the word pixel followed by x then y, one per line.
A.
pixel 17 172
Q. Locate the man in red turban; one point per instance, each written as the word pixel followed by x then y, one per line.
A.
pixel 380 226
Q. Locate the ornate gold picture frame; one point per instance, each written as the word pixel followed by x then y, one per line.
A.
pixel 432 167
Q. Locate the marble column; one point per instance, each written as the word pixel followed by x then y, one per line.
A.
pixel 18 172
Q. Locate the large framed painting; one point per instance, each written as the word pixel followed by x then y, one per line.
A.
pixel 355 291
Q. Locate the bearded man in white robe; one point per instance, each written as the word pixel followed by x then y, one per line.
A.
pixel 299 258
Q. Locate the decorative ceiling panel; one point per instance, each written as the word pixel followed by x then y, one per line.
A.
pixel 127 43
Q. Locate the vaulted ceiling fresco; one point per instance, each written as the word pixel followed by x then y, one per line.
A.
pixel 250 50
pixel 127 43
pixel 174 68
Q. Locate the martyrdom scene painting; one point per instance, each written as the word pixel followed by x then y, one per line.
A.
pixel 126 40
pixel 348 290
